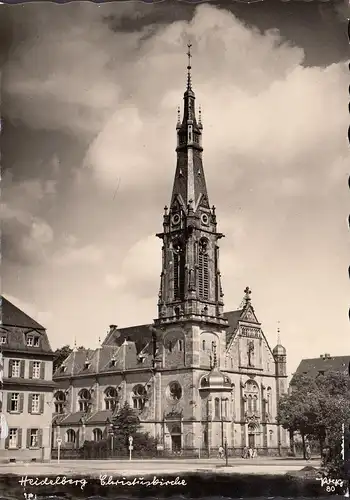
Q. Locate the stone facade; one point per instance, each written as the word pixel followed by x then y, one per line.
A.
pixel 198 377
pixel 27 387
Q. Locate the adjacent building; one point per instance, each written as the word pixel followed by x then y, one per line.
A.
pixel 199 377
pixel 323 364
pixel 27 386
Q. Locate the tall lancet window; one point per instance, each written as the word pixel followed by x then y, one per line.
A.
pixel 179 270
pixel 203 270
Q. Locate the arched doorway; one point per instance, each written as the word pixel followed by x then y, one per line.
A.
pixel 253 431
pixel 175 436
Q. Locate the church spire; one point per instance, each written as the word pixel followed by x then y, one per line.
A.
pixel 189 184
pixel 190 287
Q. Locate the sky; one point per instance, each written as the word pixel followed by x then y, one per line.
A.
pixel 89 106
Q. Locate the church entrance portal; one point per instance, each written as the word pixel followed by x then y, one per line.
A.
pixel 251 440
pixel 253 432
pixel 176 438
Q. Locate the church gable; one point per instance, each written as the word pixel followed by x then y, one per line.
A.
pixel 248 314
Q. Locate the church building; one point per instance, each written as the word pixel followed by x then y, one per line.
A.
pixel 198 377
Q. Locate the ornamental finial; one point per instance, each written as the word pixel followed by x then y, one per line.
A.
pixel 215 359
pixel 278 334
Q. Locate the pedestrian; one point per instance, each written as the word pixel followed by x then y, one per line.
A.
pixel 250 452
pixel 221 452
pixel 308 452
pixel 255 453
pixel 245 452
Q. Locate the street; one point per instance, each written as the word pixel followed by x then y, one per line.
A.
pixel 158 467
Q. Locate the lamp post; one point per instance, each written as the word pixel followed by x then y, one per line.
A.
pixel 222 423
pixel 226 451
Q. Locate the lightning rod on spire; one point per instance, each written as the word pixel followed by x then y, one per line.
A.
pixel 189 67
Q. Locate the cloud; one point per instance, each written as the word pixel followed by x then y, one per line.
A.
pixel 114 282
pixel 275 159
pixel 25 237
pixel 26 234
pixel 72 256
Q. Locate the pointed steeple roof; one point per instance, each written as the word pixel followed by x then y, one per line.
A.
pixel 279 349
pixel 189 184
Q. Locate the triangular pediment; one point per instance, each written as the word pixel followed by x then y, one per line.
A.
pixel 248 314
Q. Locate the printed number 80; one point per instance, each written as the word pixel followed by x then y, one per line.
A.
pixel 330 489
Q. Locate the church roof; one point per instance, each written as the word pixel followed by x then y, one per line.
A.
pixel 99 417
pixel 72 418
pixel 140 334
pixel 233 318
pixel 279 350
pixel 16 325
pixel 325 363
pixel 75 418
pixel 107 358
pixel 215 380
pixel 122 347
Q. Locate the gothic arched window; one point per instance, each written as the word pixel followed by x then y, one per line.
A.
pixel 111 398
pixel 179 270
pixel 139 396
pixel 60 401
pixel 251 394
pixel 249 403
pixel 225 408
pixel 84 400
pixel 268 400
pixel 70 436
pixel 217 408
pixel 203 345
pixel 203 269
pixel 97 434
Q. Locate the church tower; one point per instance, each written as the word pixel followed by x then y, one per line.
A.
pixel 190 291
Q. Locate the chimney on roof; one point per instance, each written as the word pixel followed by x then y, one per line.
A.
pixel 112 328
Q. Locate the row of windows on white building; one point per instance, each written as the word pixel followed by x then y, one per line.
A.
pixel 15 402
pixel 139 398
pixel 16 368
pixel 14 439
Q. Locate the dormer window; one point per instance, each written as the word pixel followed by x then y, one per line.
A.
pixel 113 362
pixel 87 365
pixel 63 369
pixel 32 341
pixel 3 339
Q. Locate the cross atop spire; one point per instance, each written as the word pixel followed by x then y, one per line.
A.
pixel 189 67
pixel 278 334
pixel 247 293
